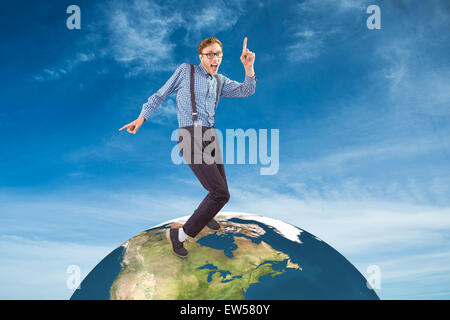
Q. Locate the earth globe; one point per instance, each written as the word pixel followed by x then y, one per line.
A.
pixel 251 257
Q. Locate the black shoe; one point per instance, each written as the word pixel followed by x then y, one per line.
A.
pixel 177 245
pixel 213 224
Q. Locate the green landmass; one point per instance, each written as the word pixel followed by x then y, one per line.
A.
pixel 150 270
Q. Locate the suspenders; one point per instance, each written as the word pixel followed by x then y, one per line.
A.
pixel 194 107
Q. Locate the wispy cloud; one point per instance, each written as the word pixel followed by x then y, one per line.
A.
pixel 423 275
pixel 219 16
pixel 415 63
pixel 71 214
pixel 368 154
pixel 414 87
pixel 324 5
pixel 308 44
pixel 59 70
pixel 140 32
pixel 108 149
pixel 353 225
pixel 37 269
pixel 320 21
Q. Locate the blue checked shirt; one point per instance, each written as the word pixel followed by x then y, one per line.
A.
pixel 205 94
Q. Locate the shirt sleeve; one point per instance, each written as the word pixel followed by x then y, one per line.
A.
pixel 158 97
pixel 234 89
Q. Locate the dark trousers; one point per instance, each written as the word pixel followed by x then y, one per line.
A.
pixel 211 175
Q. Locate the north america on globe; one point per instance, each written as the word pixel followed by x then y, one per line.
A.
pixel 250 257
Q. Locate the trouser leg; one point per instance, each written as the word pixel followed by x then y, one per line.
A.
pixel 213 179
pixel 218 196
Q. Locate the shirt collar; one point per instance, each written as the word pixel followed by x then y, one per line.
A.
pixel 203 71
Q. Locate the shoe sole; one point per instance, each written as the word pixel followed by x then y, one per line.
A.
pixel 170 241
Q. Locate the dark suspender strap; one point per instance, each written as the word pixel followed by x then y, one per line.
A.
pixel 217 92
pixel 194 108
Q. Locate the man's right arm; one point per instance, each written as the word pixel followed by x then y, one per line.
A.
pixel 157 98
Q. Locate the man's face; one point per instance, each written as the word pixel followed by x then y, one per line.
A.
pixel 211 65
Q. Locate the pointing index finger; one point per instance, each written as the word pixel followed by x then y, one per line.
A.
pixel 245 45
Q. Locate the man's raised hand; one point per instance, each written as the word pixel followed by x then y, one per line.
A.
pixel 247 58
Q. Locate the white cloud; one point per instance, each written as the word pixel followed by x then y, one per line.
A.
pixel 59 70
pixel 319 23
pixel 138 34
pixel 313 6
pixel 363 156
pixel 217 16
pixel 356 223
pixel 37 269
pixel 423 275
pixel 139 31
pixel 308 44
pixel 414 61
pixel 108 149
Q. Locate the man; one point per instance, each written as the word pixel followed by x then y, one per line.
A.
pixel 196 104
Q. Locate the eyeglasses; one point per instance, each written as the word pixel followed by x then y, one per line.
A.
pixel 211 55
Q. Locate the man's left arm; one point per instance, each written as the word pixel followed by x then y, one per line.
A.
pixel 234 89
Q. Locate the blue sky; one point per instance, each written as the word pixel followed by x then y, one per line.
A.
pixel 363 118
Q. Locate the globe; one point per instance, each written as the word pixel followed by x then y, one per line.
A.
pixel 251 257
